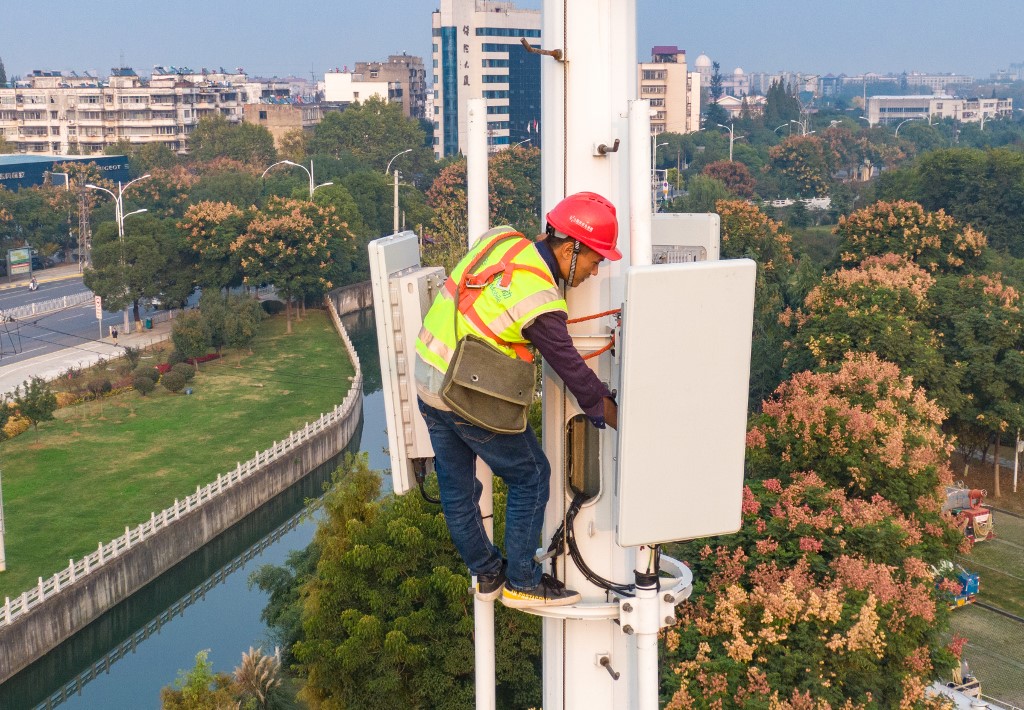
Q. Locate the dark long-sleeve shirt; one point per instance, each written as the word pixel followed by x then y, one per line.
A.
pixel 549 333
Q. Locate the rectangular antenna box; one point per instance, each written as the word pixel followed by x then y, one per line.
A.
pixel 402 293
pixel 679 238
pixel 683 411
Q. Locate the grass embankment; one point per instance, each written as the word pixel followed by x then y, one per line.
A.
pixel 994 650
pixel 106 464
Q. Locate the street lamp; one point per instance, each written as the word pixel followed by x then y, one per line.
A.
pixel 407 150
pixel 912 118
pixel 120 216
pixel 313 187
pixel 868 120
pixel 521 142
pixel 780 127
pixel 732 137
pixel 802 124
pixel 654 171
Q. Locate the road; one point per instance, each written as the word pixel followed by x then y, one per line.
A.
pixel 74 328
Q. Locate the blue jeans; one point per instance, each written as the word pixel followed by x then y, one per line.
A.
pixel 520 462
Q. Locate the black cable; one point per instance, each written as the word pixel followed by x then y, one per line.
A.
pixel 420 470
pixel 567 531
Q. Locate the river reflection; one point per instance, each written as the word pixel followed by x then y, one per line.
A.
pixel 124 658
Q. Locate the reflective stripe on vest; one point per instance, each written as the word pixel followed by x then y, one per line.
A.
pixel 518 288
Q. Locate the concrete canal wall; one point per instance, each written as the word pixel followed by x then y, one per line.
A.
pixel 45 616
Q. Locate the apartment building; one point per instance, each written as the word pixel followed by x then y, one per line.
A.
pixel 889 110
pixel 477 53
pixel 674 92
pixel 345 87
pixel 51 113
pixel 284 118
pixel 406 79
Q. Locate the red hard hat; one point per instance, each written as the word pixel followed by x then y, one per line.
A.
pixel 590 219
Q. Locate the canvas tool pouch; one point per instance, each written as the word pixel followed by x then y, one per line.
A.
pixel 487 387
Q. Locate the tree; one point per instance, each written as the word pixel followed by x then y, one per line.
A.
pixel 6 147
pixel 291 243
pixel 805 164
pixel 6 412
pixel 191 336
pixel 214 137
pixel 781 106
pixel 386 618
pixel 373 131
pixel 826 594
pixel 715 89
pixel 702 194
pixel 714 115
pixel 213 306
pixel 242 322
pixel 143 384
pixel 749 233
pixel 199 688
pixel 932 240
pixel 984 189
pixel 880 306
pixel 173 381
pixel 3 73
pixel 352 265
pixel 982 328
pixel 126 271
pixel 790 614
pixel 734 175
pixel 210 230
pixel 514 199
pixel 293 146
pixel 34 400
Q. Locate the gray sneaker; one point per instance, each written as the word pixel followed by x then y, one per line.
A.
pixel 550 592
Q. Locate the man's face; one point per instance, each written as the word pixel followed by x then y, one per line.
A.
pixel 587 262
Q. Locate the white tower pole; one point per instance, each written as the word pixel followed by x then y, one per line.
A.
pixel 585 105
pixel 477 223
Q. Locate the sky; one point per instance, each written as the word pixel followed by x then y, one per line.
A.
pixel 297 37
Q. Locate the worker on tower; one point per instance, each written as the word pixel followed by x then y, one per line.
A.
pixel 506 294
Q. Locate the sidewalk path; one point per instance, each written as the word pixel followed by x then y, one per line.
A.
pixel 50 366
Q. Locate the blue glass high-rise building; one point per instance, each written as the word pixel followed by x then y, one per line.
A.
pixel 477 53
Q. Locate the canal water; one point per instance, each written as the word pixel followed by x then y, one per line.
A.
pixel 123 659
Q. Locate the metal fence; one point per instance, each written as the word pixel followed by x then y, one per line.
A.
pixel 78 569
pixel 48 306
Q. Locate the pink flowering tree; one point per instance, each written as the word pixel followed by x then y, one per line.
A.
pixel 822 600
pixel 865 429
pixel 933 240
pixel 826 596
pixel 880 306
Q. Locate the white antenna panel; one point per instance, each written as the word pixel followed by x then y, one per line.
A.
pixel 683 410
pixel 679 238
pixel 402 293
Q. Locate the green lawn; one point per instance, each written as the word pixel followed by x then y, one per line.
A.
pixel 1000 563
pixel 994 650
pixel 103 465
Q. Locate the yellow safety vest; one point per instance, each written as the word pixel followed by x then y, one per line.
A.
pixel 503 293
